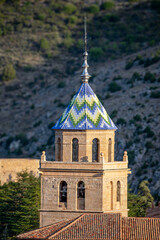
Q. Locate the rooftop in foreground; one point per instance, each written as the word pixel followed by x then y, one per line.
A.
pixel 99 226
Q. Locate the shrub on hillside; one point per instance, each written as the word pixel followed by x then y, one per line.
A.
pixel 2 1
pixel 107 5
pixel 72 19
pixel 149 132
pixel 9 73
pixel 114 87
pixel 136 76
pixel 93 8
pixel 44 44
pixel 61 84
pixel 96 53
pixel 149 77
pixel 79 44
pixel 112 17
pixel 41 17
pixel 137 117
pixel 129 64
pixel 121 121
pixel 113 114
pixel 68 42
pixel 69 8
pixel 155 94
pixel 131 157
pixel 149 145
pixel 150 61
pixel 50 125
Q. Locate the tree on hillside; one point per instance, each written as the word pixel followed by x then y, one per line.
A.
pixel 138 204
pixel 19 204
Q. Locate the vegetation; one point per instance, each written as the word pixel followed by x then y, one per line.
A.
pixel 149 132
pixel 93 9
pixel 69 8
pixel 19 204
pixel 137 117
pixel 155 94
pixel 113 114
pixel 121 121
pixel 129 64
pixel 9 73
pixel 114 87
pixel 44 44
pixel 131 156
pixel 139 203
pixel 55 26
pixel 149 77
pixel 20 201
pixel 96 53
pixel 107 5
pixel 61 84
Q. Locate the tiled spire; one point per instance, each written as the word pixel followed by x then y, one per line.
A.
pixel 85 111
pixel 85 75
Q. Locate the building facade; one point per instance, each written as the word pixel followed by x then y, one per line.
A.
pixel 84 178
pixel 9 167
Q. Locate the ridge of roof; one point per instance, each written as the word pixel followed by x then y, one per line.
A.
pixel 67 226
pixel 42 230
pixel 92 226
pixel 108 226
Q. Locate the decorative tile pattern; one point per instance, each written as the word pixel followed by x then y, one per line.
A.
pixel 85 112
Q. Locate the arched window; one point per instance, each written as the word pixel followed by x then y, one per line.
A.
pixel 75 150
pixel 95 150
pixel 81 196
pixel 59 149
pixel 109 149
pixel 63 192
pixel 118 191
pixel 111 192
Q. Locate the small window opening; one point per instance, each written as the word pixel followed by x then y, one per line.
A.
pixel 81 196
pixel 95 150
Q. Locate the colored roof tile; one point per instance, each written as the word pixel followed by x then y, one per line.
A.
pixel 84 112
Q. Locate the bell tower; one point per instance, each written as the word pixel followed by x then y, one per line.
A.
pixel 84 178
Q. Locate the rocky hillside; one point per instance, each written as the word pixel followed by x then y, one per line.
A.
pixel 43 41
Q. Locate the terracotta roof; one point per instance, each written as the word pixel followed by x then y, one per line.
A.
pixel 99 226
pixel 140 228
pixel 44 232
pixel 92 226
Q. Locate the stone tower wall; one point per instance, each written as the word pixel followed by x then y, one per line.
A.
pixel 99 177
pixel 85 139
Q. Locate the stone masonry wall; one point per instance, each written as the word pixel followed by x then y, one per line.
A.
pixel 9 167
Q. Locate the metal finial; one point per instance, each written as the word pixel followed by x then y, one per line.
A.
pixel 85 75
pixel 85 34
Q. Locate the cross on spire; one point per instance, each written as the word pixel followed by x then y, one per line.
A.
pixel 85 75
